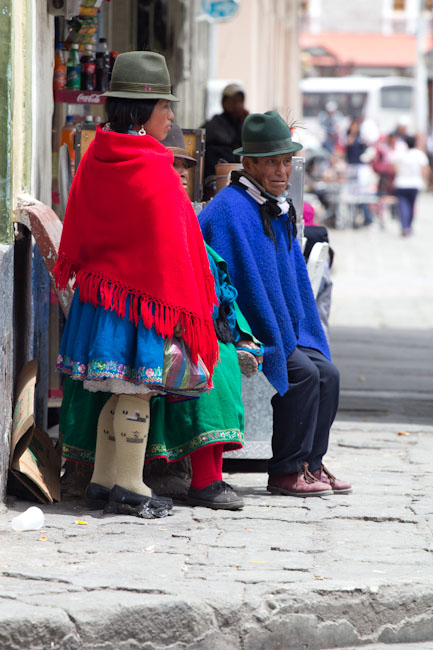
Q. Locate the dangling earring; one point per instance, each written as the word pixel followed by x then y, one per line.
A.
pixel 142 131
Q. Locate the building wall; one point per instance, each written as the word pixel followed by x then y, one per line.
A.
pixel 342 16
pixel 260 48
pixel 188 61
pixel 186 51
pixel 6 241
pixel 26 62
pixel 376 16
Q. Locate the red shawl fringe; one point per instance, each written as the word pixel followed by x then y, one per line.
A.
pixel 98 290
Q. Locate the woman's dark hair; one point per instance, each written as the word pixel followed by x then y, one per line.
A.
pixel 410 141
pixel 122 112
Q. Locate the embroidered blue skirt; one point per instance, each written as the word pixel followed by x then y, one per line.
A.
pixel 98 347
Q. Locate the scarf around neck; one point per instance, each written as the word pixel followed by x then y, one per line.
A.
pixel 130 232
pixel 270 206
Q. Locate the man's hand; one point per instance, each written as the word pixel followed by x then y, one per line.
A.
pixel 247 343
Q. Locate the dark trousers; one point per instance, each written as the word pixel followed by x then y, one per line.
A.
pixel 406 203
pixel 303 416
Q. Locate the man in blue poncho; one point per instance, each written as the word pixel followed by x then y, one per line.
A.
pixel 253 226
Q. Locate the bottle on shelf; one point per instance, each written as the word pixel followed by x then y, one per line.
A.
pixel 87 69
pixel 73 69
pixel 68 135
pixel 102 76
pixel 59 79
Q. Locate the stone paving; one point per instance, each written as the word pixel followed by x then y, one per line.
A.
pixel 284 573
pixel 381 279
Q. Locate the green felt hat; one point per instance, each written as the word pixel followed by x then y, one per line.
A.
pixel 266 134
pixel 140 75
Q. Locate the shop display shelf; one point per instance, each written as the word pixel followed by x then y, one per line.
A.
pixel 67 96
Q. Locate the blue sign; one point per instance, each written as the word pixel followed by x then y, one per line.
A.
pixel 220 9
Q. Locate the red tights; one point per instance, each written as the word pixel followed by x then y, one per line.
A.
pixel 207 466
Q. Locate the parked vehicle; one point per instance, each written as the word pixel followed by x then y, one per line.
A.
pixel 381 99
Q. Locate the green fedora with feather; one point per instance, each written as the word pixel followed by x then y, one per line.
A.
pixel 266 134
pixel 140 75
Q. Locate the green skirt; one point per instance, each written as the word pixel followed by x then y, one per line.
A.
pixel 176 428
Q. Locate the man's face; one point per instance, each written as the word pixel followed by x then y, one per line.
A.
pixel 181 166
pixel 234 105
pixel 271 172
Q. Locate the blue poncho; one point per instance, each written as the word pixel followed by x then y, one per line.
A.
pixel 275 293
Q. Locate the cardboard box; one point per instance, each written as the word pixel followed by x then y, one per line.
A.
pixel 33 459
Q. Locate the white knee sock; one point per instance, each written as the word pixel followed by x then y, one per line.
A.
pixel 104 471
pixel 131 428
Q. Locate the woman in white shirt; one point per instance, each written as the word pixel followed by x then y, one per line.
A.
pixel 412 170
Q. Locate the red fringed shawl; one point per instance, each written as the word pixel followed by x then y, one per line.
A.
pixel 130 231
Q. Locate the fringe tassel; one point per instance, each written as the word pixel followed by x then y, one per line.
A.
pixel 198 334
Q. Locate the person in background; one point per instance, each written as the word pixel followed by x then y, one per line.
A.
pixel 355 147
pixel 329 120
pixel 401 133
pixel 223 131
pixel 383 165
pixel 252 225
pixel 411 174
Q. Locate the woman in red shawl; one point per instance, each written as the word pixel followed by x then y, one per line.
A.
pixel 133 246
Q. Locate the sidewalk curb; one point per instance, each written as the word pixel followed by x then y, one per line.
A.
pixel 290 619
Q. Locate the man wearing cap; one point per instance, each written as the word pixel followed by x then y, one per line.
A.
pixel 223 131
pixel 252 225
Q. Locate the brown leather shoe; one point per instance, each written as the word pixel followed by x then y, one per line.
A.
pixel 301 484
pixel 338 487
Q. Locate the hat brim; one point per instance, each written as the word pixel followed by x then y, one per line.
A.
pixel 124 94
pixel 181 153
pixel 295 146
pixel 190 161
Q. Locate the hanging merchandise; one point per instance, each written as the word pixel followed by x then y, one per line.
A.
pixel 59 80
pixel 73 69
pixel 87 69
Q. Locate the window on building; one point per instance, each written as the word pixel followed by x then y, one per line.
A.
pixel 396 97
pixel 399 5
pixel 348 103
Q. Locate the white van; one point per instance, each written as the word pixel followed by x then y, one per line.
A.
pixel 381 99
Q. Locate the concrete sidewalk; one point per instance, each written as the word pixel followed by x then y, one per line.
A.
pixel 284 573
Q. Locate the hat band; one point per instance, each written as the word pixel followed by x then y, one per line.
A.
pixel 264 147
pixel 140 87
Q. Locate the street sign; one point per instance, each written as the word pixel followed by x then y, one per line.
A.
pixel 220 9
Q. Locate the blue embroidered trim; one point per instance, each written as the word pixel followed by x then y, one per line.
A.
pixel 109 370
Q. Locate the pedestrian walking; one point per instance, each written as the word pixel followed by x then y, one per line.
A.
pixel 411 173
pixel 252 225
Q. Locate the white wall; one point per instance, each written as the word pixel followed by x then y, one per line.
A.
pixel 260 47
pixel 42 101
